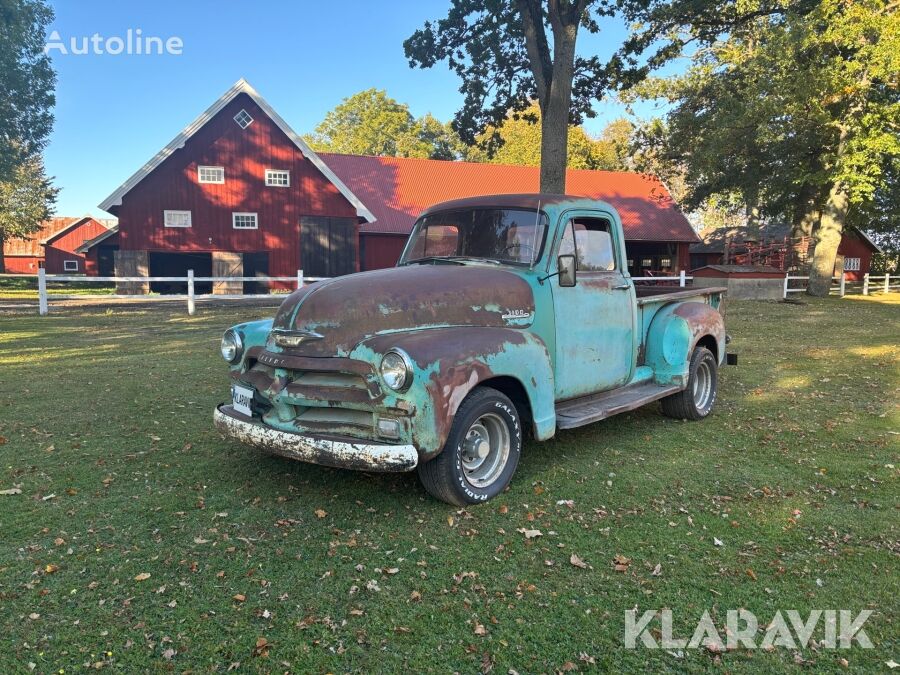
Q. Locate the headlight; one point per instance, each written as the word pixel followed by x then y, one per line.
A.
pixel 396 370
pixel 232 348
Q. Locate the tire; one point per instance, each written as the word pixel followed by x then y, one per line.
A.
pixel 697 400
pixel 486 422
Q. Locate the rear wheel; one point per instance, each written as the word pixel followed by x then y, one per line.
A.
pixel 481 452
pixel 697 400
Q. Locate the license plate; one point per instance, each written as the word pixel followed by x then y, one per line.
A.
pixel 241 398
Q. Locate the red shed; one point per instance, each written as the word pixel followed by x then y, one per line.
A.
pixel 236 193
pixel 26 256
pixel 60 250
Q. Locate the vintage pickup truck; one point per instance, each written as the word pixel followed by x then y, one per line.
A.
pixel 506 315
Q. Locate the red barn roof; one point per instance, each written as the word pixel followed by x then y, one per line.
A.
pixel 397 189
pixel 32 246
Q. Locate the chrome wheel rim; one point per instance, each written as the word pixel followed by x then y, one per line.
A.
pixel 485 450
pixel 703 385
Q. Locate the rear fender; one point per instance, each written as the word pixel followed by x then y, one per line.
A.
pixel 674 333
pixel 449 362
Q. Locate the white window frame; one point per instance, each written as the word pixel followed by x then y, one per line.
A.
pixel 851 264
pixel 66 267
pixel 203 167
pixel 173 212
pixel 271 174
pixel 243 119
pixel 234 219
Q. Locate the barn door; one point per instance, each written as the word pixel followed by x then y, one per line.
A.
pixel 328 246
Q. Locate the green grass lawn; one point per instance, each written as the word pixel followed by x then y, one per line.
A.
pixel 26 288
pixel 142 541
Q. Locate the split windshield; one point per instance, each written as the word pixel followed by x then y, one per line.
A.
pixel 509 236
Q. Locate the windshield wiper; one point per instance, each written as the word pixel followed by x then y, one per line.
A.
pixel 436 258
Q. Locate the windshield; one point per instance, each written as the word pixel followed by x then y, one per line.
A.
pixel 499 235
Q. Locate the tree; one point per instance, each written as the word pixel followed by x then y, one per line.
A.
pixel 794 113
pixel 27 81
pixel 25 201
pixel 372 123
pixel 518 141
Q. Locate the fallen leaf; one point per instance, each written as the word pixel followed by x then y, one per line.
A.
pixel 59 541
pixel 239 597
pixel 530 534
pixel 321 513
pixel 143 576
pixel 50 569
pixel 578 562
pixel 751 574
pixel 717 541
pixel 415 596
pixel 621 563
pixel 262 647
pixel 503 509
pixel 480 629
pixel 200 540
pixel 11 491
pixel 172 604
pixel 34 616
pixel 392 570
pixel 356 612
pixel 657 571
pixel 3 440
pixel 169 654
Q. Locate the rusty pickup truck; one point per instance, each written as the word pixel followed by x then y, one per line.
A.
pixel 506 315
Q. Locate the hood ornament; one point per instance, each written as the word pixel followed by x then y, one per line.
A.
pixel 293 338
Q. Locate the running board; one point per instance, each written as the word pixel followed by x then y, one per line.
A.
pixel 580 411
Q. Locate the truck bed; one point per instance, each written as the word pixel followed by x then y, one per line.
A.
pixel 648 294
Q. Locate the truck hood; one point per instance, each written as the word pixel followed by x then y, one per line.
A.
pixel 346 310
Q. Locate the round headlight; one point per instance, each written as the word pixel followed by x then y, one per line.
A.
pixel 396 370
pixel 232 348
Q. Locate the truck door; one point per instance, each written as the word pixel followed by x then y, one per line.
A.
pixel 595 318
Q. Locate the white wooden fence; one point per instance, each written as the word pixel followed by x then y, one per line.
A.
pixel 190 280
pixel 841 282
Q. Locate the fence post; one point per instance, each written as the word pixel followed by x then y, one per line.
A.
pixel 43 307
pixel 190 280
pixel 843 282
pixel 681 278
pixel 786 277
pixel 887 282
pixel 299 279
pixel 866 283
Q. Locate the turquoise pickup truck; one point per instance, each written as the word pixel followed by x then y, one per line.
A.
pixel 506 315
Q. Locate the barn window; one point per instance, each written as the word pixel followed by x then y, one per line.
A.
pixel 851 264
pixel 278 178
pixel 70 265
pixel 243 119
pixel 177 218
pixel 665 262
pixel 211 174
pixel 244 221
pixel 647 262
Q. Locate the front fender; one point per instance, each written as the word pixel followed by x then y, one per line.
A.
pixel 450 362
pixel 674 332
pixel 252 334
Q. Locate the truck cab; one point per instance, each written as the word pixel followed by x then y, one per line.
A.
pixel 506 315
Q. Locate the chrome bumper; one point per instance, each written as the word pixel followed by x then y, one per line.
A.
pixel 342 454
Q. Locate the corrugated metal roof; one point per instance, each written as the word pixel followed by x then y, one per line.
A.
pixel 32 245
pixel 397 189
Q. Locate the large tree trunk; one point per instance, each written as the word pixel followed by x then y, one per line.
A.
pixel 552 79
pixel 828 239
pixel 2 257
pixel 805 222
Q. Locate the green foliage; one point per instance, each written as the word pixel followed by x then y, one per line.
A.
pixel 26 200
pixel 372 123
pixel 26 82
pixel 518 141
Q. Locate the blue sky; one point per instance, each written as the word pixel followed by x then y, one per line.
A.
pixel 114 112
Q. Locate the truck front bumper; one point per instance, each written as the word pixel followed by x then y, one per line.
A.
pixel 340 453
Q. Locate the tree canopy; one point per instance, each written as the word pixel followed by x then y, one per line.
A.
pixel 26 200
pixel 372 123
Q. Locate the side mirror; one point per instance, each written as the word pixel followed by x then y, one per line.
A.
pixel 566 264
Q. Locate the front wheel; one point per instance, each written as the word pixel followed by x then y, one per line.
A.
pixel 698 399
pixel 481 452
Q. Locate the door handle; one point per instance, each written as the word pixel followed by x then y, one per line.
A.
pixel 623 287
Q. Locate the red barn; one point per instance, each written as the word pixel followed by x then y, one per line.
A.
pixel 239 193
pixel 26 256
pixel 61 254
pixel 396 189
pixel 236 193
